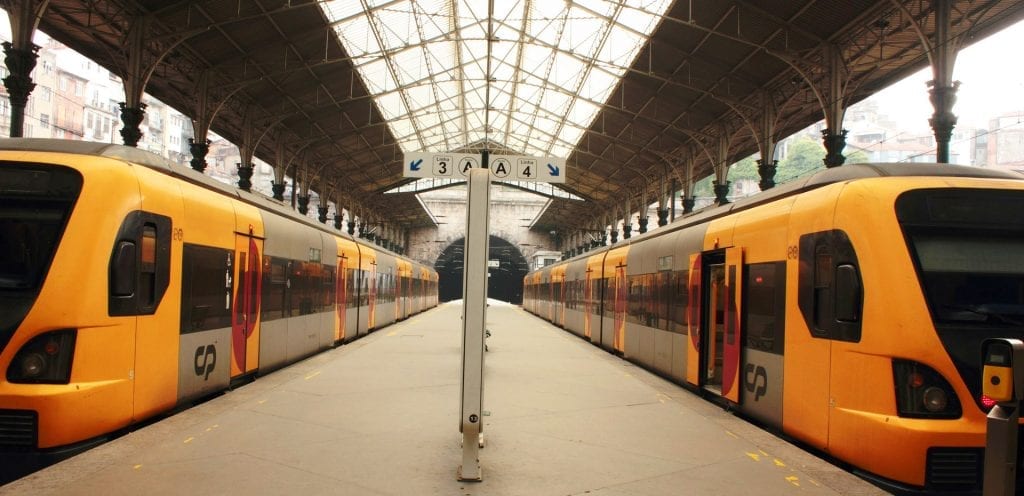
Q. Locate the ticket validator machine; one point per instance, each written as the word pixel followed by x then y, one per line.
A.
pixel 1002 381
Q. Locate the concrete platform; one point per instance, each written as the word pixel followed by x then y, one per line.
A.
pixel 380 417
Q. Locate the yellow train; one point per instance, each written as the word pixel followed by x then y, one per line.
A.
pixel 845 310
pixel 130 286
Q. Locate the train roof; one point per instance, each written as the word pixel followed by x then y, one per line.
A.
pixel 848 172
pixel 153 161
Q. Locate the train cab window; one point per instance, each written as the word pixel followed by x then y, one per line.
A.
pixel 830 293
pixel 140 264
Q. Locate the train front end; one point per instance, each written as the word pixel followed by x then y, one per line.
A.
pixel 67 364
pixel 943 270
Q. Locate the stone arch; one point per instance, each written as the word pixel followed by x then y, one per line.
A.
pixel 505 282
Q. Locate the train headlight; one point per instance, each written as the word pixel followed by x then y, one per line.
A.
pixel 32 365
pixel 935 399
pixel 921 392
pixel 45 359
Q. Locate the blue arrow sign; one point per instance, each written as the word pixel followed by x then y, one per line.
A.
pixel 553 170
pixel 415 165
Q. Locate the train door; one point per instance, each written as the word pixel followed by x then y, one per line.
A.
pixel 371 288
pixel 721 277
pixel 588 303
pixel 246 315
pixel 619 319
pixel 561 301
pixel 341 299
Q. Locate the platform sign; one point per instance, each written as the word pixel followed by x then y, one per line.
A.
pixel 502 167
pixel 524 168
pixel 441 165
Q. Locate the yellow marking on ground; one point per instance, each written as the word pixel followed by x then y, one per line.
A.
pixel 754 456
pixel 763 453
pixel 794 480
pixel 137 466
pixel 815 482
pixel 314 374
pixel 208 429
pixel 189 440
pixel 392 333
pixel 260 402
pixel 733 435
pixel 778 463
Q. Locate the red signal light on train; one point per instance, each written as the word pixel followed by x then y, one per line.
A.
pixel 915 380
pixel 987 402
pixel 758 280
pixel 51 348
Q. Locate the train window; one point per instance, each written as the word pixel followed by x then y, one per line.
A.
pixel 352 288
pixel 847 294
pixel 275 288
pixel 634 298
pixel 678 300
pixel 327 287
pixel 122 273
pixel 304 288
pixel 140 264
pixel 609 297
pixel 147 268
pixel 829 290
pixel 764 306
pixel 205 288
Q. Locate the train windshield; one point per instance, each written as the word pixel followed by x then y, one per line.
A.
pixel 972 278
pixel 35 203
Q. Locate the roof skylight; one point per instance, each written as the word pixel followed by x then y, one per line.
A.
pixel 533 88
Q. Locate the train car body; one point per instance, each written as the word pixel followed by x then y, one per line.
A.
pixel 130 286
pixel 846 310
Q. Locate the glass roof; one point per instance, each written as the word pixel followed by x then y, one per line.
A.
pixel 532 87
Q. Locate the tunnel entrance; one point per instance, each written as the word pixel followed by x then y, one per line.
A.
pixel 505 282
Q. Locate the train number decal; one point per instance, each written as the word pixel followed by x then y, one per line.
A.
pixel 756 380
pixel 178 234
pixel 208 354
pixel 793 252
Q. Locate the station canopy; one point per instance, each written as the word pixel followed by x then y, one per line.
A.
pixel 635 95
pixel 525 77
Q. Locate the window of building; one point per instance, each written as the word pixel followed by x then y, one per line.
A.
pixel 44 120
pixel 63 84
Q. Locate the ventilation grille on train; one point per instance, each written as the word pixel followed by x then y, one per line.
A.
pixel 18 428
pixel 954 468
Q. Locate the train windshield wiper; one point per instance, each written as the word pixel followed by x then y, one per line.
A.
pixel 990 312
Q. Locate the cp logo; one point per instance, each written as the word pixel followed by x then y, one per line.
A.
pixel 756 380
pixel 208 354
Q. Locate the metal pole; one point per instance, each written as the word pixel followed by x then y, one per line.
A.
pixel 474 317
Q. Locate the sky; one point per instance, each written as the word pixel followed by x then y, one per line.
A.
pixel 991 79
